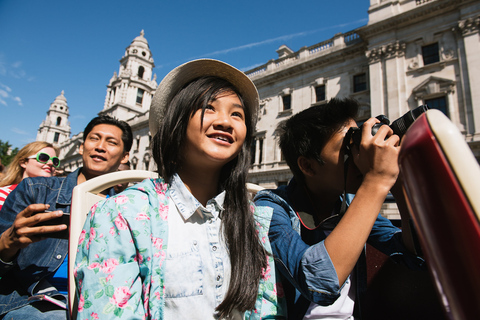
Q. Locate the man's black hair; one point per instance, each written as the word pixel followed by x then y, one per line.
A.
pixel 127 136
pixel 307 132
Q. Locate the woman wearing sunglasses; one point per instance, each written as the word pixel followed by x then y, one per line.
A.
pixel 36 159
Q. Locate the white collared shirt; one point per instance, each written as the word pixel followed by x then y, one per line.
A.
pixel 197 271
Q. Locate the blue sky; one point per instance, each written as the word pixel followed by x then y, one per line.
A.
pixel 49 46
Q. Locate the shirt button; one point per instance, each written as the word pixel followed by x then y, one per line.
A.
pixel 59 256
pixel 194 242
pixel 214 248
pixel 218 278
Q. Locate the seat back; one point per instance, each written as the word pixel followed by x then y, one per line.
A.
pixel 84 196
pixel 442 186
pixel 252 189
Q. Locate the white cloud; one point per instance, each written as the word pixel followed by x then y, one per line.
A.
pixel 18 100
pixel 19 131
pixel 5 94
pixel 18 73
pixel 14 69
pixel 278 39
pixel 5 87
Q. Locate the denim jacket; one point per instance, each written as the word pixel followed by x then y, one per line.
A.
pixel 299 263
pixel 39 260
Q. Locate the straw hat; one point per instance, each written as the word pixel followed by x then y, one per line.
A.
pixel 185 73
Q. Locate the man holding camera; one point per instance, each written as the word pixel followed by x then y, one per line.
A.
pixel 319 228
pixel 33 267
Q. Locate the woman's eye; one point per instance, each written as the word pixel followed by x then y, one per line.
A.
pixel 209 107
pixel 238 114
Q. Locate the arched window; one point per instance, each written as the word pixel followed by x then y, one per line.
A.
pixel 141 71
pixel 59 120
pixel 140 93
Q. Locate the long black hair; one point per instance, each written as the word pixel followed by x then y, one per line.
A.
pixel 247 255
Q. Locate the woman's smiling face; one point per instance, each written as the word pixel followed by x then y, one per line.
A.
pixel 221 136
pixel 33 168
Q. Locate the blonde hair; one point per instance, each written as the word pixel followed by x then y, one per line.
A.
pixel 15 171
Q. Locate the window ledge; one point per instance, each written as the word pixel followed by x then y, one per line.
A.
pixel 359 93
pixel 285 113
pixel 436 66
pixel 319 103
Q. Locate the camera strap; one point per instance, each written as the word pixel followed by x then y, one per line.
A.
pixel 347 156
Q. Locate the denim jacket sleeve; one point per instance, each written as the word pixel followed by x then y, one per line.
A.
pixel 16 201
pixel 298 262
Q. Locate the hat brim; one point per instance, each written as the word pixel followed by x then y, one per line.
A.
pixel 185 73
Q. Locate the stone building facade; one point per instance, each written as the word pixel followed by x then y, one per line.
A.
pixel 411 52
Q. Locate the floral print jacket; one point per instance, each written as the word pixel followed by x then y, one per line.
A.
pixel 120 260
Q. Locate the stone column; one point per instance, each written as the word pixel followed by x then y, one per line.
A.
pixel 470 32
pixel 376 77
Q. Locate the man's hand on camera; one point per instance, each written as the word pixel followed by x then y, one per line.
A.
pixel 377 155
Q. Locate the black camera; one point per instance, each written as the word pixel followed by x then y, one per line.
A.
pixel 399 126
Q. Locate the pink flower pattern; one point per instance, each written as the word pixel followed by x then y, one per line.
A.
pixel 163 211
pixel 109 265
pixel 82 237
pixel 120 222
pixel 142 216
pixel 120 297
pixel 81 303
pixel 121 199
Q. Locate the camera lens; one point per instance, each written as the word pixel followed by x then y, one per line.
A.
pixel 401 125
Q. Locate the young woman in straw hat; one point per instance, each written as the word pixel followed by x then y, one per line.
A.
pixel 188 245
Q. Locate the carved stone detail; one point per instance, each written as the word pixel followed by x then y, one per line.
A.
pixel 391 50
pixel 469 26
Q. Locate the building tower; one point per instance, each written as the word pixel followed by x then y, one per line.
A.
pixel 55 128
pixel 130 92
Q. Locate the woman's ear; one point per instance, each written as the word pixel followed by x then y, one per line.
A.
pixel 306 166
pixel 23 163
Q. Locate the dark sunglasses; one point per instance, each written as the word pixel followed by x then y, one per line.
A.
pixel 44 158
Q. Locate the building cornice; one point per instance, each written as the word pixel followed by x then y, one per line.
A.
pixel 120 105
pixel 301 66
pixel 425 11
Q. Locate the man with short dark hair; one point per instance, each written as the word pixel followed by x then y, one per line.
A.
pixel 33 269
pixel 319 229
